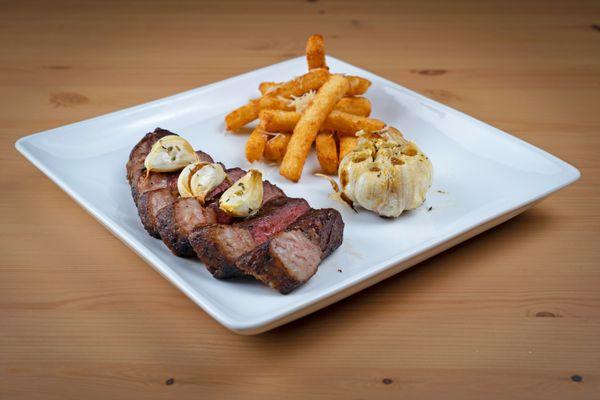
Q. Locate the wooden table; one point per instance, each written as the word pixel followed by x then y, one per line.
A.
pixel 512 313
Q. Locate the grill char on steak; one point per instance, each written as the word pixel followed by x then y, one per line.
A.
pixel 291 257
pixel 137 156
pixel 282 245
pixel 176 220
pixel 151 193
pixel 219 246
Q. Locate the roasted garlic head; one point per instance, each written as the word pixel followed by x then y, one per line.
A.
pixel 170 153
pixel 199 178
pixel 245 196
pixel 385 173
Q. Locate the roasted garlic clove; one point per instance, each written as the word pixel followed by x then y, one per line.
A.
pixel 170 153
pixel 245 196
pixel 183 182
pixel 206 179
pixel 370 185
pixel 351 167
pixel 199 178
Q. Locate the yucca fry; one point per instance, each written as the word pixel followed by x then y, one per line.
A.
pixel 266 87
pixel 327 152
pixel 276 146
pixel 255 146
pixel 358 85
pixel 349 124
pixel 278 120
pixel 339 121
pixel 353 105
pixel 275 103
pixel 312 80
pixel 347 144
pixel 315 52
pixel 360 106
pixel 242 115
pixel 275 116
pixel 309 124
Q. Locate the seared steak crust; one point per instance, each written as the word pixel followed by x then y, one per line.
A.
pixel 138 154
pixel 282 245
pixel 176 220
pixel 290 258
pixel 270 191
pixel 158 189
pixel 169 221
pixel 233 174
pixel 149 205
pixel 219 246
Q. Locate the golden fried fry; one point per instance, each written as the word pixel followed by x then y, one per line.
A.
pixel 347 144
pixel 309 124
pixel 349 124
pixel 339 121
pixel 360 106
pixel 278 120
pixel 312 80
pixel 255 145
pixel 276 93
pixel 275 103
pixel 242 115
pixel 353 105
pixel 276 147
pixel 327 152
pixel 358 85
pixel 315 52
pixel 266 87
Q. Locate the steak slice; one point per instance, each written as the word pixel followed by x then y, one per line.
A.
pixel 138 154
pixel 233 174
pixel 159 180
pixel 270 191
pixel 149 205
pixel 219 246
pixel 176 220
pixel 152 193
pixel 291 257
pixel 169 224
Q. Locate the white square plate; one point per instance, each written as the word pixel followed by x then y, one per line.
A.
pixel 482 177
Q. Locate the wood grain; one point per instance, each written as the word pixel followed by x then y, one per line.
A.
pixel 512 313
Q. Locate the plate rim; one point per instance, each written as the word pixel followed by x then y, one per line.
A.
pixel 253 325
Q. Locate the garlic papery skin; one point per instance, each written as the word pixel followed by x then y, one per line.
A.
pixel 170 153
pixel 386 174
pixel 244 197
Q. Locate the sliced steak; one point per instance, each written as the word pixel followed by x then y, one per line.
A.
pixel 169 226
pixel 155 191
pixel 159 180
pixel 138 154
pixel 219 246
pixel 270 191
pixel 291 257
pixel 149 205
pixel 222 216
pixel 233 174
pixel 154 181
pixel 177 220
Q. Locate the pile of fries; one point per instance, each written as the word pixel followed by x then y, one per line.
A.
pixel 318 107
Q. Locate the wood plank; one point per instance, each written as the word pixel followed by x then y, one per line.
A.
pixel 513 312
